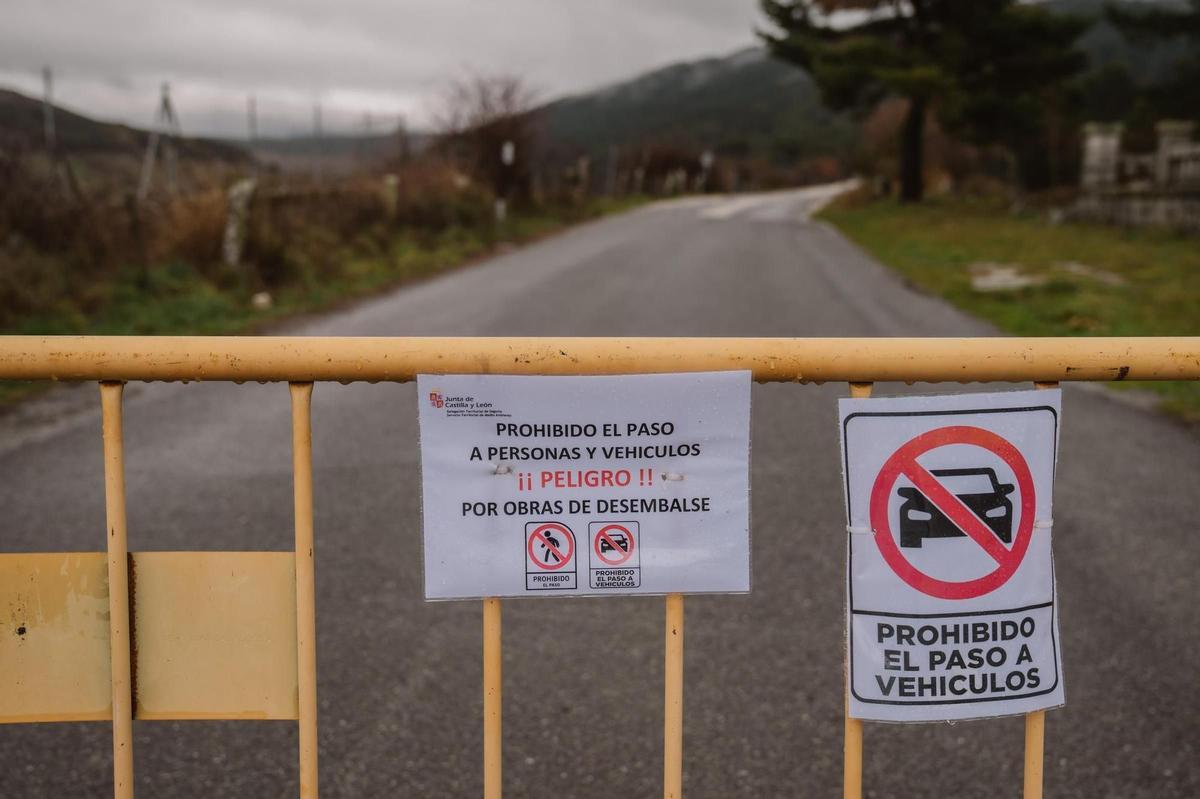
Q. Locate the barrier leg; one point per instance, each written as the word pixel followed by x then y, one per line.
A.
pixel 493 688
pixel 1035 737
pixel 673 701
pixel 852 756
pixel 118 589
pixel 852 747
pixel 306 607
pixel 1035 726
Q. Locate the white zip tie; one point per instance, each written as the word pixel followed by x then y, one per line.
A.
pixel 673 477
pixel 502 468
pixel 1044 524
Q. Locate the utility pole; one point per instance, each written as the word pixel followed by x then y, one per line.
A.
pixel 706 163
pixel 252 132
pixel 319 142
pixel 58 160
pixel 364 144
pixel 48 108
pixel 610 172
pixel 402 137
pixel 252 119
pixel 166 131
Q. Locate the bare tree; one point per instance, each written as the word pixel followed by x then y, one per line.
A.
pixel 488 124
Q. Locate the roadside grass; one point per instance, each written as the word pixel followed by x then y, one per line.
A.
pixel 178 298
pixel 1132 282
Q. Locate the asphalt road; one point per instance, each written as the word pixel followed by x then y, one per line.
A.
pixel 400 699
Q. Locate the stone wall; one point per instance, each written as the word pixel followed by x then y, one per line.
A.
pixel 1160 189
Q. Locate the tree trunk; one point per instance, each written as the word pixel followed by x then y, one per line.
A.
pixel 912 151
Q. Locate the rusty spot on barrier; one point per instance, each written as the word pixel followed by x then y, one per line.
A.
pixel 133 645
pixel 21 631
pixel 1114 372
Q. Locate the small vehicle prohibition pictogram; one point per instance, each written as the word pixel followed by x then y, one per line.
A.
pixel 984 518
pixel 615 554
pixel 549 557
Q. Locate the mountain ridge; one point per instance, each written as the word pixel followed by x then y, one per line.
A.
pixel 743 103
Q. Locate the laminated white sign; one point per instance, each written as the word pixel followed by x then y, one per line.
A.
pixel 570 486
pixel 951 609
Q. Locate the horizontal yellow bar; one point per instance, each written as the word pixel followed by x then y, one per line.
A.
pixel 214 636
pixel 770 359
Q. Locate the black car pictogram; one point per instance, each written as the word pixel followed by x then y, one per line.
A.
pixel 978 489
pixel 618 538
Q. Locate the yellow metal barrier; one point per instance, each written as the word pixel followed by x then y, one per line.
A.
pixel 770 359
pixel 81 652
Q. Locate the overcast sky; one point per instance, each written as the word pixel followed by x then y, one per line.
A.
pixel 383 57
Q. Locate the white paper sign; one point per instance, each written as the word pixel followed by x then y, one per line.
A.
pixel 951 610
pixel 570 486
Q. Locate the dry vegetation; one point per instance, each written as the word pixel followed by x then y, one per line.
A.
pixel 79 253
pixel 71 264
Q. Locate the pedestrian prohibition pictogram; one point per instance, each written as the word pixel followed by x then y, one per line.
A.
pixel 614 544
pixel 550 546
pixel 946 504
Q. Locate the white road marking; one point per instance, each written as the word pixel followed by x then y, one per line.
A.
pixel 734 206
pixel 799 204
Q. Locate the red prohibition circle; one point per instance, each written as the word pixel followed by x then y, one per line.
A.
pixel 603 533
pixel 905 457
pixel 566 557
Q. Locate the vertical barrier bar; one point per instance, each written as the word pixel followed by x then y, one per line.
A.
pixel 118 588
pixel 306 607
pixel 852 748
pixel 493 696
pixel 852 755
pixel 1035 726
pixel 673 701
pixel 1035 737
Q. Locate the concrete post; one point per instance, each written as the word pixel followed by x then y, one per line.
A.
pixel 235 223
pixel 1173 135
pixel 1101 155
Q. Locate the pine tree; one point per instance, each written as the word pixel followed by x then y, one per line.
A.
pixel 1179 95
pixel 989 69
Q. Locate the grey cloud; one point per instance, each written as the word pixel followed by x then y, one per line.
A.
pixel 355 55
